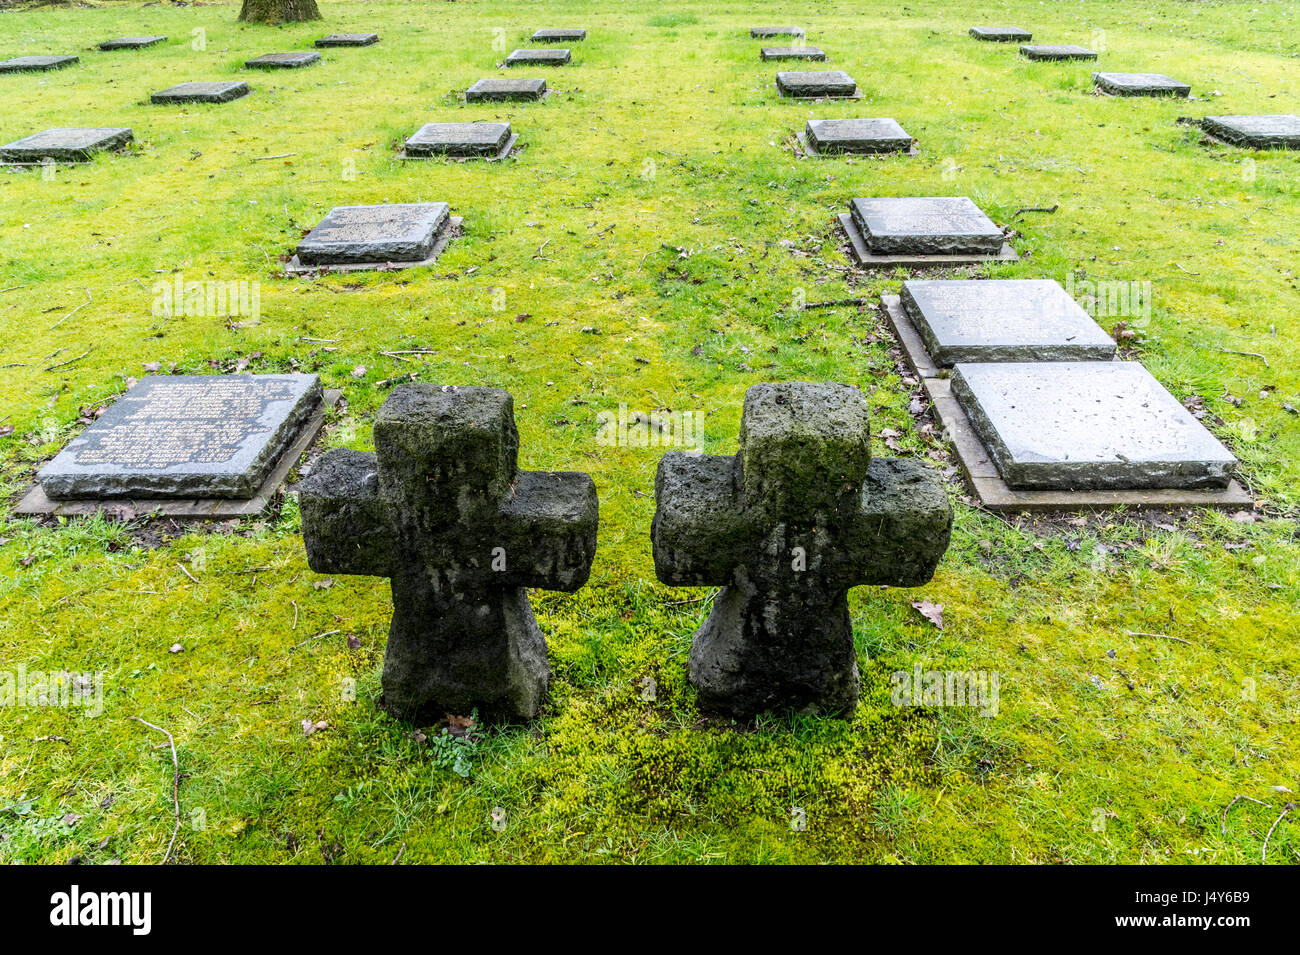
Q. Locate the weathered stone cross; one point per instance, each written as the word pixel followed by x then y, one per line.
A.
pixel 785 527
pixel 442 508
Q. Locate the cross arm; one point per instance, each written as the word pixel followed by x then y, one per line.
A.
pixel 344 522
pixel 901 530
pixel 699 531
pixel 548 530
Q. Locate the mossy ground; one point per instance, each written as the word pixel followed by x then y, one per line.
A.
pixel 649 246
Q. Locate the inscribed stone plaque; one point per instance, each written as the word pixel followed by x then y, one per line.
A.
pixel 815 83
pixel 283 61
pixel 764 32
pixel 1139 84
pixel 459 139
pixel 131 42
pixel 202 92
pixel 499 89
pixel 21 64
pixel 791 53
pixel 1258 132
pixel 348 39
pixel 562 35
pixel 1087 425
pixel 68 145
pixel 1001 34
pixel 542 57
pixel 391 232
pixel 191 436
pixel 1066 51
pixel 857 136
pixel 926 226
pixel 965 320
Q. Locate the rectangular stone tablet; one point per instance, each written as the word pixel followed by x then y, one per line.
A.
pixel 816 83
pixel 791 53
pixel 1087 425
pixel 190 436
pixel 926 225
pixel 283 61
pixel 348 39
pixel 499 89
pixel 22 64
pixel 561 35
pixel 65 145
pixel 1001 34
pixel 202 92
pixel 1140 84
pixel 1063 52
pixel 766 32
pixel 541 57
pixel 131 42
pixel 857 136
pixel 390 232
pixel 459 139
pixel 1257 132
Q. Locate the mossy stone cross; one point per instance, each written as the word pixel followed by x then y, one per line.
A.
pixel 442 509
pixel 785 527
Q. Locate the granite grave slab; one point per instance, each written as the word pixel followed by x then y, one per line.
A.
pixel 348 39
pixel 791 53
pixel 385 236
pixel 64 145
pixel 923 230
pixel 502 90
pixel 283 61
pixel 202 92
pixel 37 64
pixel 785 527
pixel 766 33
pixel 1001 34
pixel 461 140
pixel 443 510
pixel 1140 84
pixel 835 136
pixel 131 42
pixel 1067 51
pixel 538 57
pixel 1091 425
pixel 997 320
pixel 816 84
pixel 559 35
pixel 185 436
pixel 1281 131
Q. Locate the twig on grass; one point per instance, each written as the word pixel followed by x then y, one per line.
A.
pixel 186 572
pixel 265 158
pixel 1264 854
pixel 176 783
pixel 836 303
pixel 1162 636
pixel 73 312
pixel 64 364
pixel 1223 828
pixel 1245 354
pixel 1048 209
pixel 1188 271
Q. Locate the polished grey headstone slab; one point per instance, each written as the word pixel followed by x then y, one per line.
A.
pixel 543 57
pixel 764 32
pixel 185 436
pixel 926 225
pixel 1001 34
pixel 391 232
pixel 816 83
pixel 494 89
pixel 1140 84
pixel 561 35
pixel 21 64
pixel 791 53
pixel 459 139
pixel 68 145
pixel 131 42
pixel 283 61
pixel 1067 51
pixel 1092 425
pixel 987 320
pixel 202 92
pixel 857 136
pixel 348 39
pixel 1280 131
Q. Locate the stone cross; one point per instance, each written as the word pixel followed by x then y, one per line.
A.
pixel 442 509
pixel 785 527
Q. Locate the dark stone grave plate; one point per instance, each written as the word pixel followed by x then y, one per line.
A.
pixel 542 57
pixel 496 89
pixel 348 39
pixel 1066 51
pixel 1280 131
pixel 923 230
pixel 1001 34
pixel 202 92
pixel 831 137
pixel 131 42
pixel 991 320
pixel 816 84
pixel 461 140
pixel 283 61
pixel 768 32
pixel 36 64
pixel 791 53
pixel 367 238
pixel 1140 84
pixel 64 145
pixel 559 36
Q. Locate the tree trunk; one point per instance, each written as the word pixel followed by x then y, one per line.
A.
pixel 279 11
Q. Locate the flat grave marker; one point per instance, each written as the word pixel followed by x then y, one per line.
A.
pixel 386 236
pixel 1279 131
pixel 791 53
pixel 766 33
pixel 496 89
pixel 559 35
pixel 1001 34
pixel 816 84
pixel 1067 51
pixel 1140 84
pixel 538 57
pixel 65 145
pixel 939 230
pixel 131 42
pixel 283 61
pixel 348 39
pixel 37 64
pixel 202 92
pixel 461 140
pixel 822 137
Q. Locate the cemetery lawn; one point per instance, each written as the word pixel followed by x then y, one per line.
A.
pixel 650 245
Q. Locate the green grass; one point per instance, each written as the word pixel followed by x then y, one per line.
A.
pixel 649 246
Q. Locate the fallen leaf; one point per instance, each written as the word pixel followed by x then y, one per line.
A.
pixel 930 611
pixel 176 648
pixel 308 727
